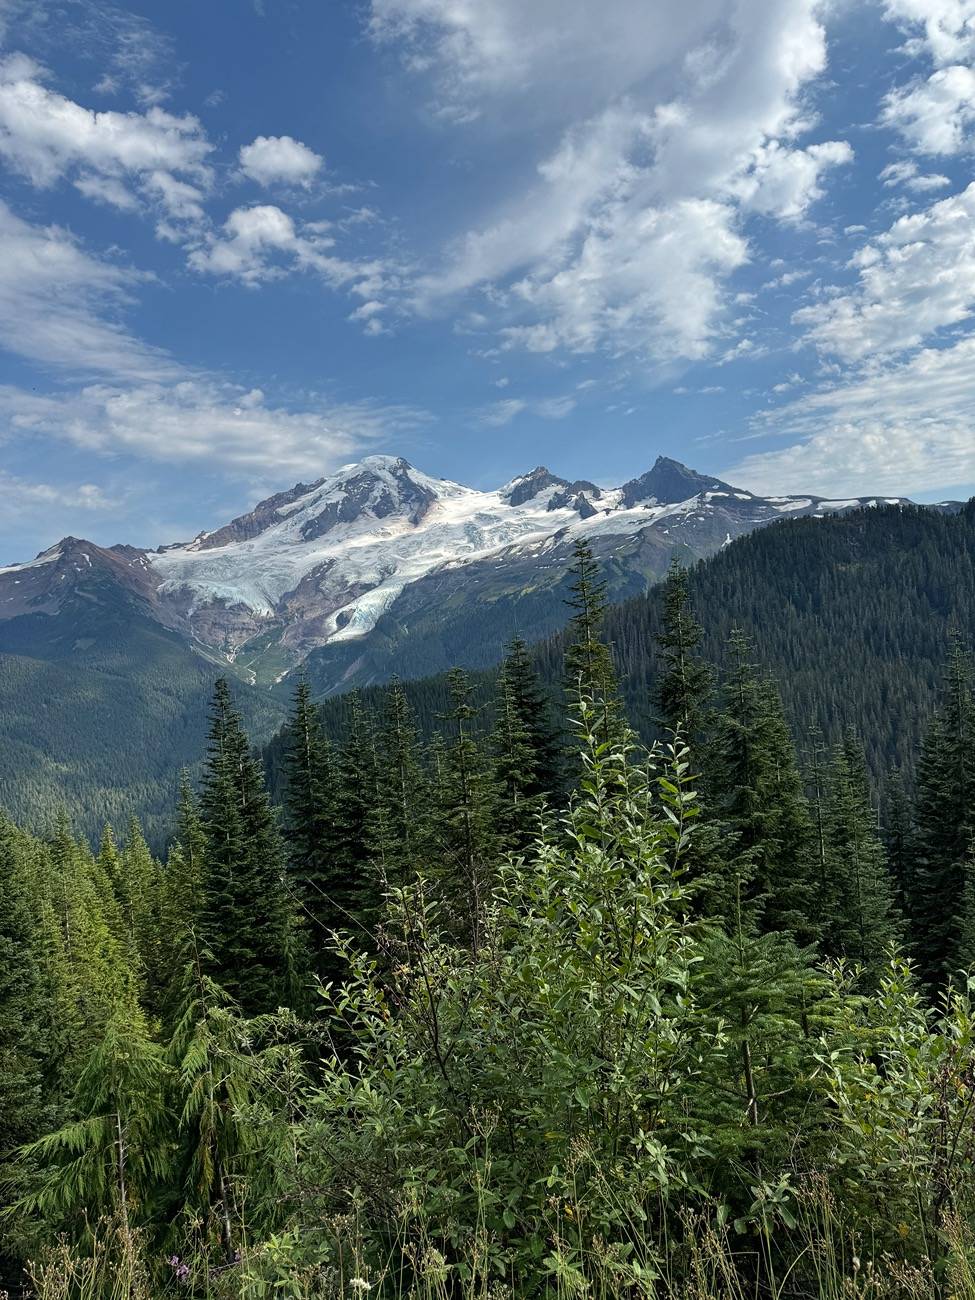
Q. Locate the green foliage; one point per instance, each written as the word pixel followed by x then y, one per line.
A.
pixel 246 918
pixel 650 1037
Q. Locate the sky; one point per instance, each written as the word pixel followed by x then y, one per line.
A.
pixel 247 241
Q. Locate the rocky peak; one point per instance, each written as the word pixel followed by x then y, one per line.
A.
pixel 526 486
pixel 378 487
pixel 264 514
pixel 669 482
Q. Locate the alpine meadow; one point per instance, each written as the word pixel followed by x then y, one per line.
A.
pixel 478 881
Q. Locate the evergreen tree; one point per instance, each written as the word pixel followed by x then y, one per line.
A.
pixel 944 821
pixel 857 913
pixel 247 921
pixel 26 1039
pixel 516 767
pixel 465 812
pixel 309 806
pixel 113 1156
pixel 899 842
pixel 589 670
pixel 758 798
pixel 533 707
pixel 351 886
pixel 685 684
pixel 399 830
pixel 224 1157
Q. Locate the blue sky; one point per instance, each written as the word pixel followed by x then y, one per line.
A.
pixel 247 241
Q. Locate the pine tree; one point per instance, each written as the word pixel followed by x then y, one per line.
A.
pixel 247 922
pixel 758 798
pixel 857 915
pixel 899 842
pixel 685 684
pixel 307 796
pixel 399 826
pixel 533 707
pixel 589 670
pixel 26 1013
pixel 516 765
pixel 465 812
pixel 944 821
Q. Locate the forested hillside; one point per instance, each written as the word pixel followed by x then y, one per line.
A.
pixel 95 722
pixel 851 614
pixel 529 1010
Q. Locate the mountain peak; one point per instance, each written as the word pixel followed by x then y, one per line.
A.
pixel 526 486
pixel 669 482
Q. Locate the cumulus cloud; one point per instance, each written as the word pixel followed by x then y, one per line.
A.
pixel 903 428
pixel 279 159
pixel 682 122
pixel 907 174
pixel 783 182
pixel 945 29
pixel 916 279
pixel 262 243
pixel 109 156
pixel 935 116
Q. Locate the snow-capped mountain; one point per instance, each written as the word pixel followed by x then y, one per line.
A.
pixel 380 548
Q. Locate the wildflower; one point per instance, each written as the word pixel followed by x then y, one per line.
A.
pixel 360 1284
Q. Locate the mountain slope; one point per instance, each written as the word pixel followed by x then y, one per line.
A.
pixel 374 570
pixel 100 704
pixel 851 614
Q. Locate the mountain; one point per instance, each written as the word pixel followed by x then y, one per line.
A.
pixel 376 569
pixel 852 615
pixel 360 561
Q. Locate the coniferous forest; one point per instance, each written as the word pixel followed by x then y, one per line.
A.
pixel 512 1003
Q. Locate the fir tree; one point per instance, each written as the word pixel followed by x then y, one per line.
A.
pixel 898 837
pixel 26 1014
pixel 857 913
pixel 758 798
pixel 247 920
pixel 113 1156
pixel 308 800
pixel 944 820
pixel 465 812
pixel 589 670
pixel 533 707
pixel 516 766
pixel 685 684
pixel 399 829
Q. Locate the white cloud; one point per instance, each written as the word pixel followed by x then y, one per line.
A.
pixel 20 497
pixel 46 137
pixel 914 280
pixel 500 413
pixel 682 121
pixel 783 182
pixel 262 243
pixel 199 420
pixel 906 173
pixel 897 430
pixel 279 159
pixel 59 305
pixel 935 116
pixel 947 27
